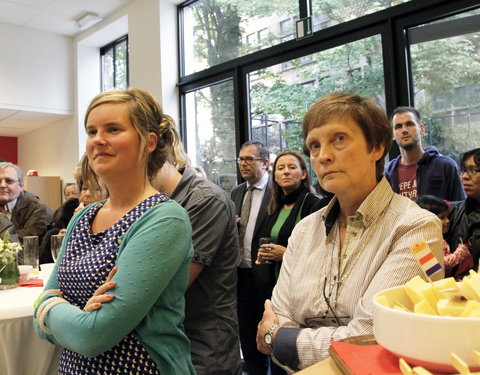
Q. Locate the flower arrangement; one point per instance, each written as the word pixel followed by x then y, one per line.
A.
pixel 8 251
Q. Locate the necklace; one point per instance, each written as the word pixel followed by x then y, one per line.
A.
pixel 355 256
pixel 339 281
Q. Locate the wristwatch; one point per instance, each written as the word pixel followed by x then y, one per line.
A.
pixel 268 338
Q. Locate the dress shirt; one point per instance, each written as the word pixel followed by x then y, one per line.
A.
pixel 257 196
pixel 10 206
pixel 376 256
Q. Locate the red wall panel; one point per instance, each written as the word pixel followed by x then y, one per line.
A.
pixel 9 149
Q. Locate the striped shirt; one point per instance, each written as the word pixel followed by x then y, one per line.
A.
pixel 376 255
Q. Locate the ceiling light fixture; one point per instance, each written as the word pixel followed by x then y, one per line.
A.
pixel 88 20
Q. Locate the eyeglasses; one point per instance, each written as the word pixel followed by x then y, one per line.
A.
pixel 327 301
pixel 247 160
pixel 8 181
pixel 471 171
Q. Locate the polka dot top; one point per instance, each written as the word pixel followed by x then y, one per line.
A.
pixel 86 262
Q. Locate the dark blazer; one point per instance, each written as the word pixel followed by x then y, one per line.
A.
pixel 261 272
pixel 29 218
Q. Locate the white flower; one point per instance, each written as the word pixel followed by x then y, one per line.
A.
pixel 8 250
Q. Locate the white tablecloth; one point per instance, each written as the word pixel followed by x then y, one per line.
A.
pixel 21 351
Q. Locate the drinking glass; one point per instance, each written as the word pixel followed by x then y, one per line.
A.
pixel 30 252
pixel 56 245
pixel 264 241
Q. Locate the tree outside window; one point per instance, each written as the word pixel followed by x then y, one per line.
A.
pixel 114 57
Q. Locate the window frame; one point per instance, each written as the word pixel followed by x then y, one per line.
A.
pixel 106 48
pixel 391 24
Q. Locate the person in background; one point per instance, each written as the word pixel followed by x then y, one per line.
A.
pixel 91 189
pixel 70 191
pixel 292 199
pixel 21 213
pixel 339 257
pixel 460 259
pixel 211 321
pixel 417 170
pixel 62 218
pixel 115 299
pixel 255 281
pixel 465 216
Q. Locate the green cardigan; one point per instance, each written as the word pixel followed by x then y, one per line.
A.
pixel 153 268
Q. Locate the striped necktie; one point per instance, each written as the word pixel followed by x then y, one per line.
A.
pixel 245 213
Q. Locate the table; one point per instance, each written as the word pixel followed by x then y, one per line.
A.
pixel 326 367
pixel 22 352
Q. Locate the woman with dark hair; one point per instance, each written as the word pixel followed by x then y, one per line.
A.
pixel 292 199
pixel 465 215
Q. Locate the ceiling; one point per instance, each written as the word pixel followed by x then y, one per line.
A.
pixel 53 16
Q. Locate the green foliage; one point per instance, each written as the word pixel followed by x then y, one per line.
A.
pixel 346 10
pixel 355 67
pixel 446 73
pixel 446 76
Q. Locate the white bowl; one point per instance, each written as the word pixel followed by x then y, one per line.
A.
pixel 424 340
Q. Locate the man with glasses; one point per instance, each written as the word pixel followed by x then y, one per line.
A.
pixel 420 171
pixel 255 282
pixel 465 216
pixel 20 212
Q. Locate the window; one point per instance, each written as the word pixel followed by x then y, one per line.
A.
pixel 263 35
pixel 287 27
pixel 211 132
pixel 335 12
pixel 215 31
pixel 114 57
pixel 279 99
pixel 445 62
pixel 251 39
pixel 362 46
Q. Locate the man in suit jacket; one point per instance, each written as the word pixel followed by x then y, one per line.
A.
pixel 21 213
pixel 255 282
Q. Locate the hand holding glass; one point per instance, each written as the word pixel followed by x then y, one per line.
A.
pixel 265 241
pixel 56 245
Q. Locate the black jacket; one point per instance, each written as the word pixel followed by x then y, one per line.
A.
pixel 465 226
pixel 262 273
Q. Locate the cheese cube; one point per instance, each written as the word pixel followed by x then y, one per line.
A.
pixel 472 309
pixel 448 283
pixel 476 356
pixel 424 307
pixel 413 289
pixel 459 364
pixel 418 290
pixel 470 286
pixel 452 308
pixel 383 300
pixel 421 371
pixel 404 367
pixel 399 306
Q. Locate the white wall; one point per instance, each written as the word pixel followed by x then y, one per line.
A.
pixel 151 28
pixel 56 149
pixel 51 150
pixel 36 70
pixel 36 73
